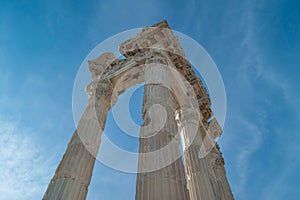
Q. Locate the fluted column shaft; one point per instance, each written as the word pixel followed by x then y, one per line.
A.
pixel 206 173
pixel 167 183
pixel 218 174
pixel 199 184
pixel 73 175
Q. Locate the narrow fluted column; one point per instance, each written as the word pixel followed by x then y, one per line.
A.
pixel 73 175
pixel 203 161
pixel 216 169
pixel 199 184
pixel 158 132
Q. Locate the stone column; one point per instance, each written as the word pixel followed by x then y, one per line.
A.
pixel 73 175
pixel 199 183
pixel 167 183
pixel 202 157
pixel 216 169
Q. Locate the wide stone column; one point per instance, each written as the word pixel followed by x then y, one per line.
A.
pixel 159 141
pixel 203 161
pixel 73 175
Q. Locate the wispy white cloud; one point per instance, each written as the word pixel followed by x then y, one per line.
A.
pixel 280 188
pixel 252 141
pixel 24 170
pixel 255 69
pixel 257 59
pixel 281 83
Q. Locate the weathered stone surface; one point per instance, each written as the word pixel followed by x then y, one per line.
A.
pixel 168 182
pixel 173 93
pixel 73 175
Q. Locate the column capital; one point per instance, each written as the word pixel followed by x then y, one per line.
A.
pixel 100 91
pixel 185 115
pixel 157 58
pixel 156 70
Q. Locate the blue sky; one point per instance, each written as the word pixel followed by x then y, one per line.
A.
pixel 255 45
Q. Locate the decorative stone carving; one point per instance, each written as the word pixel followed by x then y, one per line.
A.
pixel 156 70
pixel 149 57
pixel 158 36
pixel 187 115
pixel 98 65
pixel 156 58
pixel 215 158
pixel 214 129
pixel 100 90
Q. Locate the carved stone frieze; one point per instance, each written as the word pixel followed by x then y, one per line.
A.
pixel 150 57
pixel 156 58
pixel 158 36
pixel 98 65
